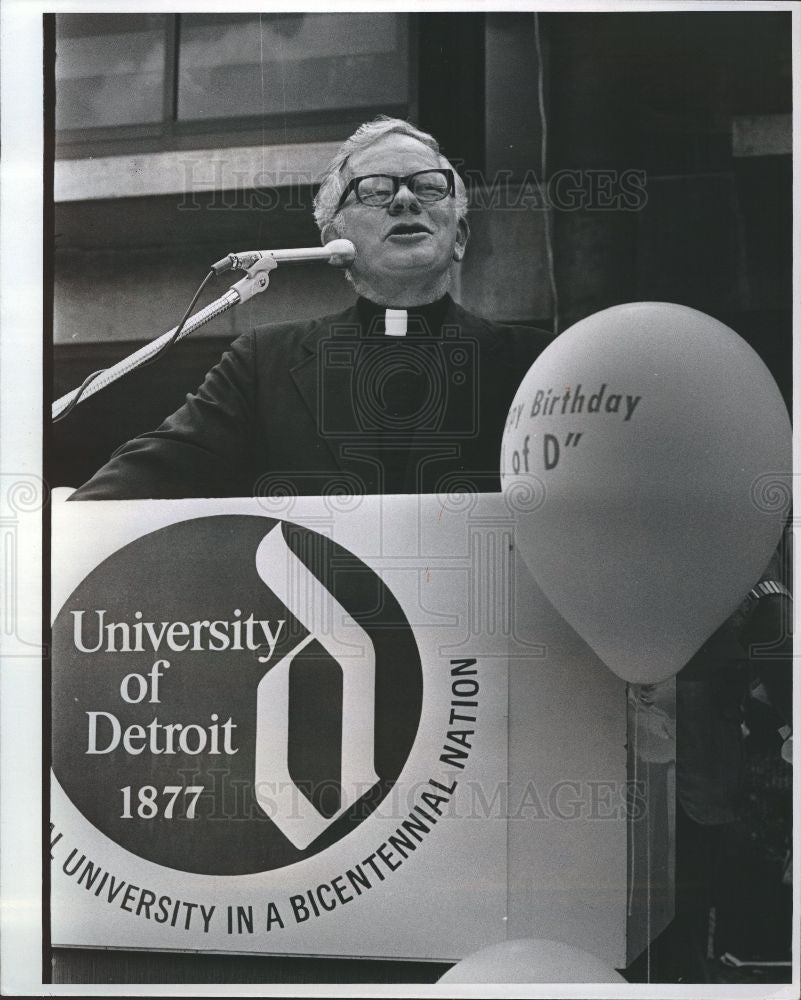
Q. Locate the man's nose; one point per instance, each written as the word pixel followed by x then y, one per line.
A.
pixel 404 199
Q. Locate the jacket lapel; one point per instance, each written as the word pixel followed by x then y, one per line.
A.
pixel 429 454
pixel 324 379
pixel 330 408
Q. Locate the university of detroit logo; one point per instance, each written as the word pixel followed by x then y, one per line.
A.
pixel 232 694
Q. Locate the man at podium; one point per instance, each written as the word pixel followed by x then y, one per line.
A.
pixel 403 392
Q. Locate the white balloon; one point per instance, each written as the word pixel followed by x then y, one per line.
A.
pixel 660 448
pixel 530 960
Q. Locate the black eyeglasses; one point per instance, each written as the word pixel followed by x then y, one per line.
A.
pixel 378 190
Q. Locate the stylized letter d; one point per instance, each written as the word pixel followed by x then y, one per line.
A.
pixel 319 612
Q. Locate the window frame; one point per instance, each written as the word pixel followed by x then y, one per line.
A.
pixel 246 130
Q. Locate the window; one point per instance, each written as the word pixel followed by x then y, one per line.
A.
pixel 160 81
pixel 109 70
pixel 289 63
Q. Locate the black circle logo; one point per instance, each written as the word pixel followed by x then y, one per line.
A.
pixel 232 694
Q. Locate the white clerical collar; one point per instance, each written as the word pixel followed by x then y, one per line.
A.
pixel 395 322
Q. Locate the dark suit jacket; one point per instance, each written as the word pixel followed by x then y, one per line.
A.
pixel 296 408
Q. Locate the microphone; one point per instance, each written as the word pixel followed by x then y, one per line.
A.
pixel 340 253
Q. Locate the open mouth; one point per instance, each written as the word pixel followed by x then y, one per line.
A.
pixel 409 229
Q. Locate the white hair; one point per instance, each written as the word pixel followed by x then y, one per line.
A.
pixel 333 182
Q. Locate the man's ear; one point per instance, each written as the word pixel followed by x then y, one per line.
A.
pixel 330 232
pixel 462 236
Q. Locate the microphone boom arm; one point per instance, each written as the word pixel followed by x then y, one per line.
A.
pixel 256 280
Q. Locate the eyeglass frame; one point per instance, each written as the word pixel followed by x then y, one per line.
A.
pixel 353 184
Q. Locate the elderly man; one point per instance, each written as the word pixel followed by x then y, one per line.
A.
pixel 404 392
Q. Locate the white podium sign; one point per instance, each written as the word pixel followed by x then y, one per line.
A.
pixel 340 727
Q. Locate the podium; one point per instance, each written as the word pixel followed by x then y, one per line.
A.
pixel 341 726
